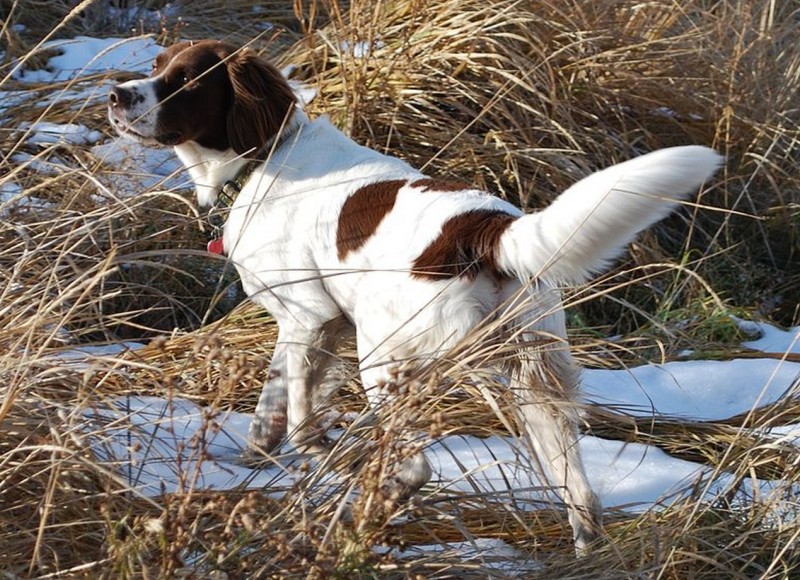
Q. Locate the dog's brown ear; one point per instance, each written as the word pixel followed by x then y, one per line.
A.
pixel 262 100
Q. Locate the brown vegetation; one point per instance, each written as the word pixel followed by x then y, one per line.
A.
pixel 521 97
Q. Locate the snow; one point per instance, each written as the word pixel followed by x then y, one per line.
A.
pixel 700 390
pixel 134 168
pixel 787 433
pixel 45 133
pixel 83 356
pixel 770 338
pixel 487 552
pixel 50 166
pixel 8 190
pixel 361 49
pixel 12 196
pixel 83 55
pixel 166 444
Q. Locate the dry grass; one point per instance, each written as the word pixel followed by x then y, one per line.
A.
pixel 523 97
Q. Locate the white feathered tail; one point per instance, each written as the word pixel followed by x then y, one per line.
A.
pixel 591 223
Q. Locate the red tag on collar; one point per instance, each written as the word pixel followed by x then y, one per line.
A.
pixel 215 246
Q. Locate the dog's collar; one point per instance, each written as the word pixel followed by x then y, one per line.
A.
pixel 231 189
pixel 226 195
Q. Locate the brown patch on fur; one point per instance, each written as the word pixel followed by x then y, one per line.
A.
pixel 428 184
pixel 467 244
pixel 262 102
pixel 363 212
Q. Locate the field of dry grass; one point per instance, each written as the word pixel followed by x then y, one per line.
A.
pixel 519 96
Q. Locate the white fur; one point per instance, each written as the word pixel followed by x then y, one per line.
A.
pixel 140 120
pixel 208 168
pixel 591 223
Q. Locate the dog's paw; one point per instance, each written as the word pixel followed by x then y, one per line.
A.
pixel 266 433
pixel 414 472
pixel 411 475
pixel 255 457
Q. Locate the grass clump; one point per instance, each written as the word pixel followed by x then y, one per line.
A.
pixel 520 97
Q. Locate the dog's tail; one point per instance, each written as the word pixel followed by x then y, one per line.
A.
pixel 591 223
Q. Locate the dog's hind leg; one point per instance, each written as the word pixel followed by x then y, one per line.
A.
pixel 378 371
pixel 414 471
pixel 543 381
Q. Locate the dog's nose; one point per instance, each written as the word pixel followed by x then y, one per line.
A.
pixel 120 97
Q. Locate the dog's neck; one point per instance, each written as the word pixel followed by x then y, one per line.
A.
pixel 211 168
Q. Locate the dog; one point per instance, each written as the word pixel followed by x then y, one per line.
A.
pixel 332 237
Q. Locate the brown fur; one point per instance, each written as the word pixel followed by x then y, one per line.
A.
pixel 429 184
pixel 363 212
pixel 218 96
pixel 262 102
pixel 466 245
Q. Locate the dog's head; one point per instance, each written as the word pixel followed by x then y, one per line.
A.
pixel 208 92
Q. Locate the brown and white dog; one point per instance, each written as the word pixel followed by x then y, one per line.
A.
pixel 329 235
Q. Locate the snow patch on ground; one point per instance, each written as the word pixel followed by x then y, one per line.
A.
pixel 700 390
pixel 175 445
pixel 770 338
pixel 488 553
pixel 13 197
pixel 84 55
pixel 45 133
pixel 134 168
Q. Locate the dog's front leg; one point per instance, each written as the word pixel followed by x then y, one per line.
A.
pixel 301 356
pixel 309 353
pixel 269 422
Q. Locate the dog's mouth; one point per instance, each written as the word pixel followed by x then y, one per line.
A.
pixel 125 127
pixel 170 139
